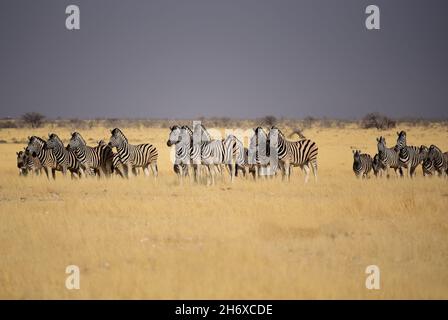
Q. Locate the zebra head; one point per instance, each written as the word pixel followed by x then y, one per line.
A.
pixel 423 151
pixel 401 140
pixel 35 146
pixel 117 138
pixel 381 144
pixel 200 134
pixel 54 141
pixel 21 159
pixel 356 155
pixel 175 135
pixel 275 135
pixel 76 141
pixel 434 153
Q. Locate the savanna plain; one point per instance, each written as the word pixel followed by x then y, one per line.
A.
pixel 158 239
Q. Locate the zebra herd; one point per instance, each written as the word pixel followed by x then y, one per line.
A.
pixel 267 154
pixel 80 159
pixel 401 157
pixel 196 154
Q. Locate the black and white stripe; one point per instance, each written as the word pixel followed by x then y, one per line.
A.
pixel 411 157
pixel 134 156
pixel 302 153
pixel 377 166
pixel 181 138
pixel 65 159
pixel 212 152
pixel 439 160
pixel 28 164
pixel 37 148
pixel 389 157
pixel 95 159
pixel 362 164
pixel 258 154
pixel 234 155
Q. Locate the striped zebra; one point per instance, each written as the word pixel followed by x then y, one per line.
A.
pixel 134 156
pixel 212 152
pixel 389 157
pixel 95 159
pixel 37 148
pixel 428 167
pixel 27 163
pixel 247 167
pixel 401 140
pixel 65 159
pixel 181 138
pixel 362 164
pixel 234 156
pixel 258 154
pixel 302 153
pixel 377 166
pixel 439 160
pixel 411 157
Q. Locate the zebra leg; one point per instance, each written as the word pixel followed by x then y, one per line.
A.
pixel 146 171
pixel 306 169
pixel 53 173
pixel 314 167
pixel 154 169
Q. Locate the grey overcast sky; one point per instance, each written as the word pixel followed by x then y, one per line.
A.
pixel 232 58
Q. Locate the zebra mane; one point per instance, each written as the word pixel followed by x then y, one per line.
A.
pixel 434 147
pixel 204 131
pixel 55 137
pixel 188 130
pixel 79 137
pixel 258 129
pixel 118 132
pixel 39 140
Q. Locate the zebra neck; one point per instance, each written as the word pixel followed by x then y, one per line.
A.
pixel 123 151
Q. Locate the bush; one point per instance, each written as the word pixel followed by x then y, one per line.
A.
pixel 34 119
pixel 270 121
pixel 378 121
pixel 7 124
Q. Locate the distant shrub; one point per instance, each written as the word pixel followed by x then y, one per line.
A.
pixel 34 119
pixel 378 121
pixel 308 122
pixel 8 124
pixel 269 121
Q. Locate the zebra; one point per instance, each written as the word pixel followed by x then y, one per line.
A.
pixel 439 160
pixel 362 164
pixel 389 157
pixel 258 154
pixel 428 167
pixel 234 156
pixel 37 148
pixel 377 166
pixel 96 159
pixel 302 153
pixel 182 139
pixel 212 152
pixel 401 140
pixel 411 157
pixel 65 159
pixel 27 163
pixel 134 156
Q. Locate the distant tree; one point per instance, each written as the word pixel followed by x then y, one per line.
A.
pixel 270 120
pixel 34 119
pixel 378 121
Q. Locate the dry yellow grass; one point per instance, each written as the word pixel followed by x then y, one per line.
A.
pixel 156 239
